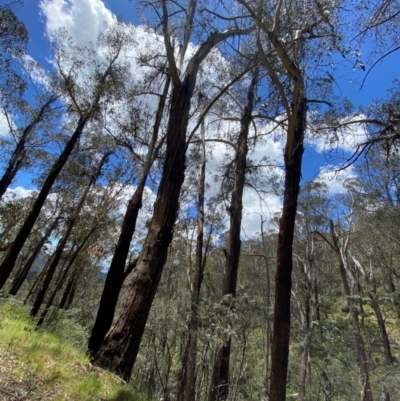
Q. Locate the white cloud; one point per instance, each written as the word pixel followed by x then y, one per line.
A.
pixel 255 208
pixel 83 19
pixel 18 193
pixel 4 129
pixel 345 138
pixel 335 179
pixel 36 72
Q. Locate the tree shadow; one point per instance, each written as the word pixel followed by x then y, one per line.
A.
pixel 125 395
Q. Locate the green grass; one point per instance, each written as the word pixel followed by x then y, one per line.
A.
pixel 39 365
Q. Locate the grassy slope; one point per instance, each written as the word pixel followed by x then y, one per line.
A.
pixel 35 365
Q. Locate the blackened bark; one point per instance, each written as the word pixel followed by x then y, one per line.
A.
pixel 19 155
pixel 121 344
pixel 69 293
pixel 63 241
pixel 382 327
pixel 220 377
pixel 283 279
pixel 115 276
pixel 18 281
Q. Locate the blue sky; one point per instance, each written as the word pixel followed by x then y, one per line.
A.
pixel 348 80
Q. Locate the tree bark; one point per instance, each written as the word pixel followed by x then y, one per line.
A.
pixel 283 279
pixel 220 377
pixel 115 276
pixel 121 344
pixel 69 293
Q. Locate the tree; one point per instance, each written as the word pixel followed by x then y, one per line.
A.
pixel 276 51
pixel 220 378
pixel 121 345
pixel 19 156
pixel 103 78
pixel 116 273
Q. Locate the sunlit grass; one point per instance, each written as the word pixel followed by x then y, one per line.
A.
pixel 38 364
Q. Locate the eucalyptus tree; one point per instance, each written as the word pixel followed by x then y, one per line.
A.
pixel 83 94
pixel 116 273
pixel 121 344
pixel 290 39
pixel 220 378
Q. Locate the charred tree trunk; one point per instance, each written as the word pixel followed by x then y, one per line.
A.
pixel 63 241
pixel 18 281
pixel 121 344
pixel 115 276
pixel 283 279
pixel 220 377
pixel 18 157
pixel 69 293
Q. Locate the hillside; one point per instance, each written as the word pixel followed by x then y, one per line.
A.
pixel 36 365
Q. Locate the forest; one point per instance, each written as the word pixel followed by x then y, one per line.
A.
pixel 208 204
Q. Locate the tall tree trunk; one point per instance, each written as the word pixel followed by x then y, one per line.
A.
pixel 18 281
pixel 220 377
pixel 115 275
pixel 69 293
pixel 63 241
pixel 283 279
pixel 18 157
pixel 121 344
pixel 187 382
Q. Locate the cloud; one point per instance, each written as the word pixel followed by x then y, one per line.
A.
pixel 335 179
pixel 344 139
pixel 18 193
pixel 4 129
pixel 36 72
pixel 83 19
pixel 256 207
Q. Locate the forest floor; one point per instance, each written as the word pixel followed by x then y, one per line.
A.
pixel 35 365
